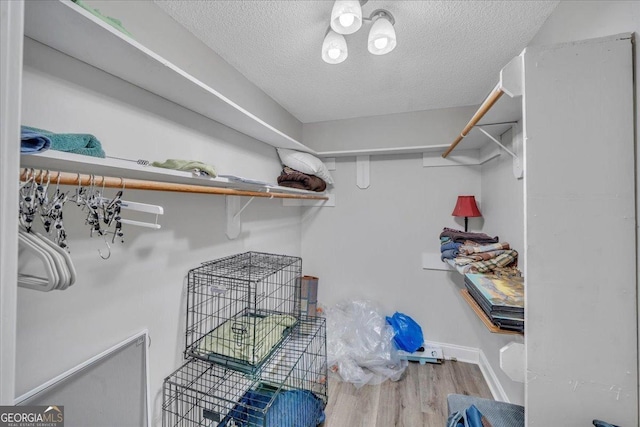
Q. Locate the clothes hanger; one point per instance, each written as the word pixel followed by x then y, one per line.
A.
pixel 64 255
pixel 59 263
pixel 36 282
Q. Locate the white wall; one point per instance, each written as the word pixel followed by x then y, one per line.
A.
pixel 141 285
pixel 503 213
pixel 370 245
pixel 579 20
pixel 156 30
pixel 581 251
pixel 418 128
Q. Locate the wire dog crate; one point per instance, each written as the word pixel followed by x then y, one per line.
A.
pixel 290 392
pixel 239 308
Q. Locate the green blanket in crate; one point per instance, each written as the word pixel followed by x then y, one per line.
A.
pixel 247 338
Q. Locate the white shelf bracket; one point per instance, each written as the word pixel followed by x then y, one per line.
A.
pixel 234 209
pixel 362 172
pixel 512 361
pixel 517 165
pixel 511 77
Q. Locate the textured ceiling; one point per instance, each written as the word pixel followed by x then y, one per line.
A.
pixel 449 53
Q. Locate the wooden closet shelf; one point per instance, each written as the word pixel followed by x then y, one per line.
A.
pixel 67 178
pixel 483 317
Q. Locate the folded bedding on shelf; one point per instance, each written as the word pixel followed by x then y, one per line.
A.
pixel 291 408
pixel 449 254
pixel 198 168
pixel 502 260
pixel 246 338
pixel 294 179
pixel 481 256
pixel 471 247
pixel 33 142
pixel 462 236
pixel 448 245
pixel 77 143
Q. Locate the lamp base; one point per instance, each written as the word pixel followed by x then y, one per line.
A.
pixel 466 223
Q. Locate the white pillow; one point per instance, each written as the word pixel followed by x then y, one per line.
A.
pixel 305 163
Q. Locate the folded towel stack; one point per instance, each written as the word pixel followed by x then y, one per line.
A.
pixel 77 143
pixel 476 252
pixel 198 168
pixel 33 142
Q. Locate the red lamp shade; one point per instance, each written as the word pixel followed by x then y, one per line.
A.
pixel 466 206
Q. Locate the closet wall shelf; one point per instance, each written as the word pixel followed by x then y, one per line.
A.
pixel 135 176
pixel 66 27
pixel 70 178
pixel 483 317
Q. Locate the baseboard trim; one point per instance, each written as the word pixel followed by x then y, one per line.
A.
pixel 458 352
pixel 475 356
pixel 492 379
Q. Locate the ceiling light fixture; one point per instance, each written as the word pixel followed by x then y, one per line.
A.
pixel 346 18
pixel 334 48
pixel 382 36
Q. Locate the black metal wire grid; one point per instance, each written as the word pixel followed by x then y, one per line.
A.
pixel 229 301
pixel 291 389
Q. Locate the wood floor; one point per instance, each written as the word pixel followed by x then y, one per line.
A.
pixel 418 399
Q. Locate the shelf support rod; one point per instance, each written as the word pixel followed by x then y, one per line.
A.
pixel 243 208
pixel 499 143
pixel 484 108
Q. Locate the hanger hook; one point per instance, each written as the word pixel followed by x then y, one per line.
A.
pixel 108 249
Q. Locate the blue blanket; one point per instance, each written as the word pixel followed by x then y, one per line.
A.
pixel 78 143
pixel 292 408
pixel 33 142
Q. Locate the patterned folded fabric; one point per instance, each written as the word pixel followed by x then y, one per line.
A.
pixel 508 257
pixel 449 246
pixel 461 236
pixel 474 249
pixel 449 254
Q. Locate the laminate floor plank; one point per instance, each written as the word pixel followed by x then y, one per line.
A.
pixel 419 399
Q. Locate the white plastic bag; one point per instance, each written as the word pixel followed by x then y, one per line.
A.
pixel 360 345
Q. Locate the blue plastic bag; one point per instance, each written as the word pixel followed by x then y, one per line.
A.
pixel 471 417
pixel 408 334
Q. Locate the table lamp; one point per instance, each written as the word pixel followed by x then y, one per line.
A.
pixel 466 207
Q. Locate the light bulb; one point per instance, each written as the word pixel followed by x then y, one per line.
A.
pixel 334 53
pixel 381 43
pixel 346 19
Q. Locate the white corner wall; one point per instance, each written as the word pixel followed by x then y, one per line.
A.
pixel 370 245
pixel 503 214
pixel 581 253
pixel 142 284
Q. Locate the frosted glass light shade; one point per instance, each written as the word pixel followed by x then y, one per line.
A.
pixel 352 9
pixel 334 48
pixel 382 37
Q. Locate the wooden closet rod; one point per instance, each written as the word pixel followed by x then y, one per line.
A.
pixel 67 178
pixel 486 106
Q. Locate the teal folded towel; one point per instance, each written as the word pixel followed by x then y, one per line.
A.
pixel 77 143
pixel 196 167
pixel 115 23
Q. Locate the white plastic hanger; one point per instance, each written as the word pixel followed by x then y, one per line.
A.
pixel 140 207
pixel 64 256
pixel 26 246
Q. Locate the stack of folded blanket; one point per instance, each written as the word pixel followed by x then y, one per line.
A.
pixel 294 179
pixel 34 140
pixel 475 252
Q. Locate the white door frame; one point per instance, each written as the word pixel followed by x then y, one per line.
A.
pixel 11 39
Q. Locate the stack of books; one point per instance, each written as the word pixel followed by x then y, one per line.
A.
pixel 501 298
